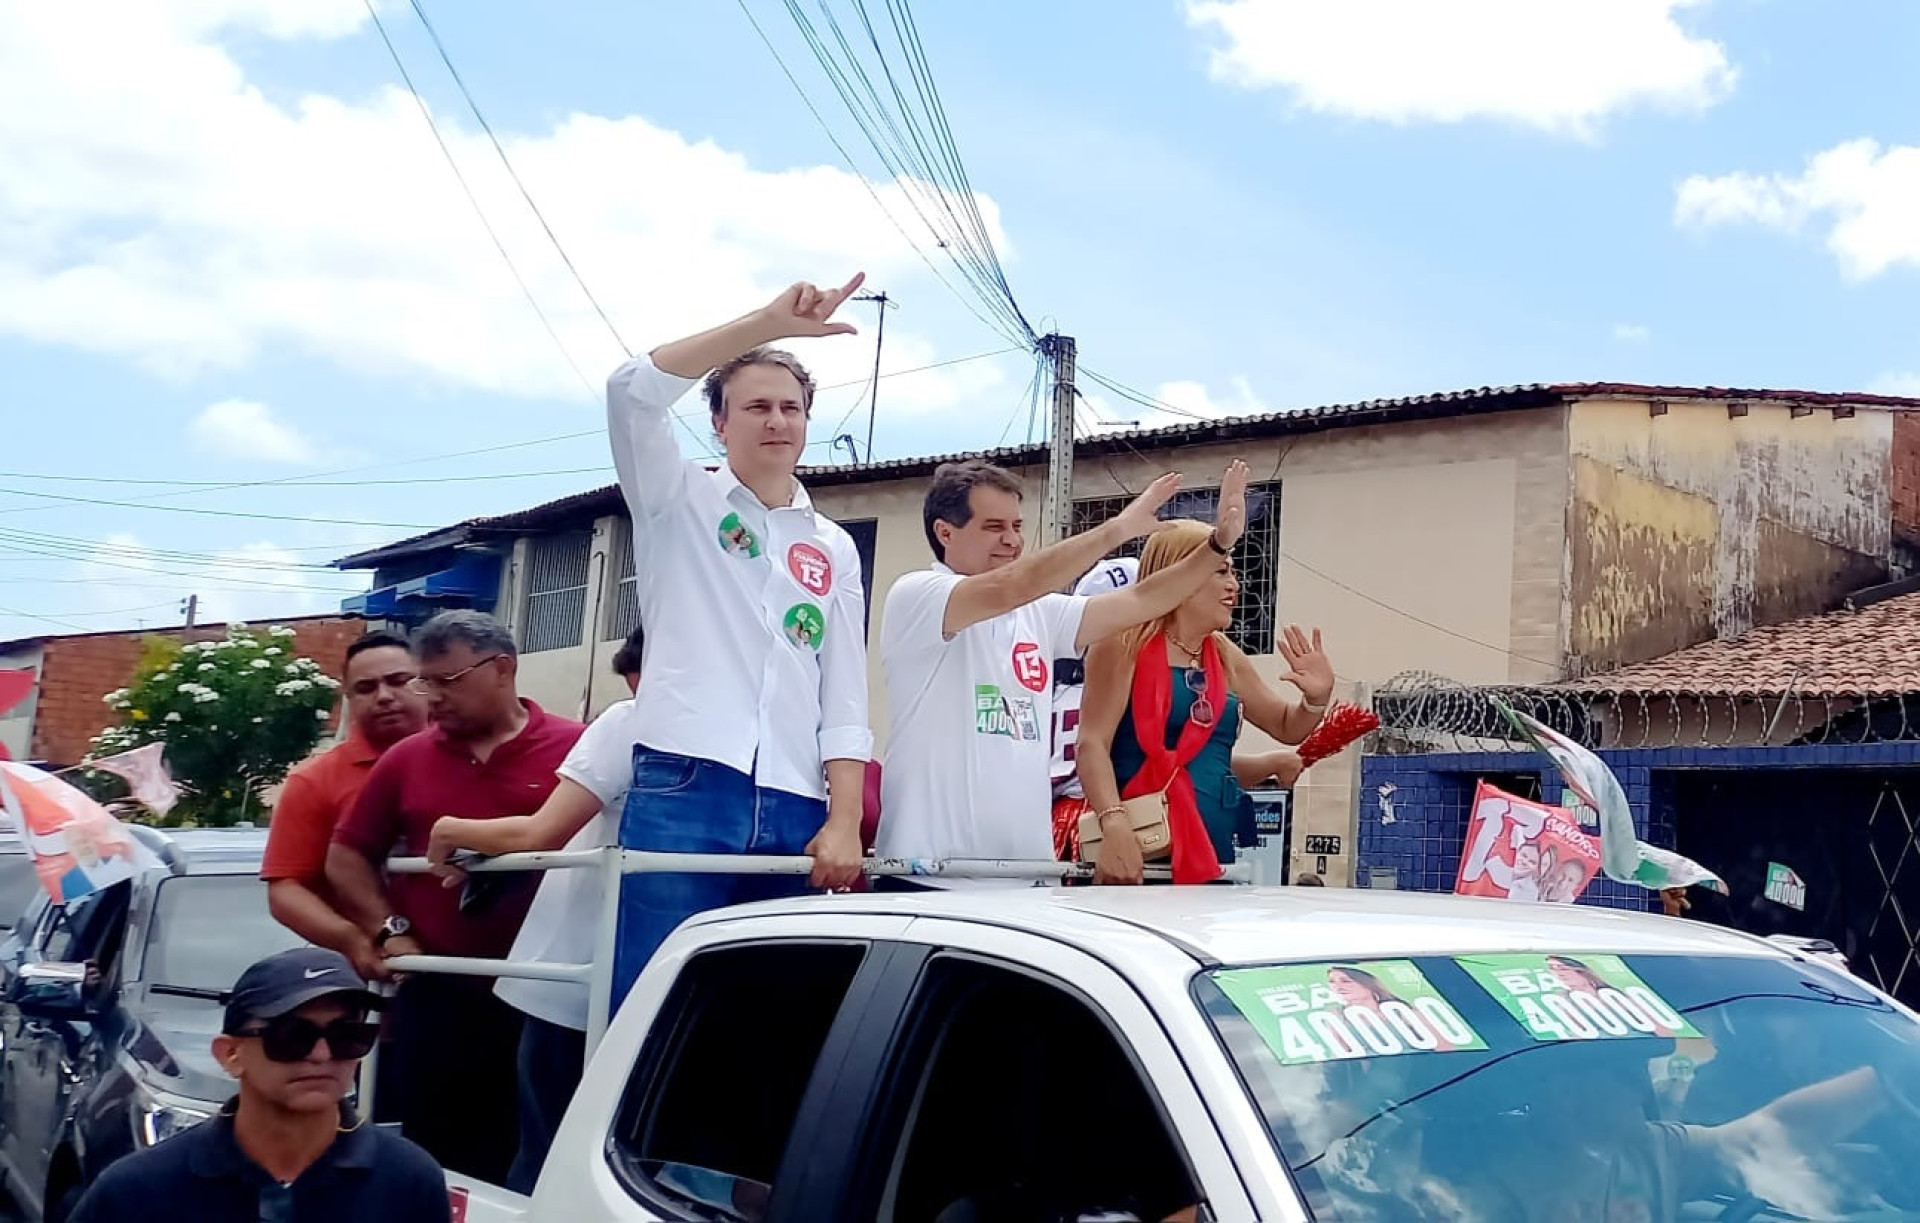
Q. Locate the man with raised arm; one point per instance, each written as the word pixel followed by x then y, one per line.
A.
pixel 752 726
pixel 968 644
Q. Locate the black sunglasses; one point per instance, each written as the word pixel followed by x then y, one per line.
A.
pixel 290 1038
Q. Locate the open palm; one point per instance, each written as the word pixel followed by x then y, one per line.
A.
pixel 1308 667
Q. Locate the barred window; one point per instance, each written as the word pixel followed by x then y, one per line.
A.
pixel 556 605
pixel 623 610
pixel 1257 555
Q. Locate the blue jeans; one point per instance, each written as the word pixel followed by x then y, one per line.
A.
pixel 681 804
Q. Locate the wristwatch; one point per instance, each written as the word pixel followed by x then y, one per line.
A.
pixel 393 927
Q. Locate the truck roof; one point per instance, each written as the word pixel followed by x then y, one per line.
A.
pixel 1248 925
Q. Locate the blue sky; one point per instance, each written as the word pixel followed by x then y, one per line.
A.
pixel 230 252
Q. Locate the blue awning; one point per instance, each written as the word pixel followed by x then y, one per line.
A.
pixel 474 581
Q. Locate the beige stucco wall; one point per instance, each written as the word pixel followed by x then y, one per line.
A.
pixel 1695 524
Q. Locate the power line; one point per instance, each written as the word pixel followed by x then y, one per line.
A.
pixel 186 578
pixel 194 509
pixel 999 327
pixel 27 615
pixel 446 152
pixel 903 146
pixel 213 485
pixel 37 539
pixel 526 195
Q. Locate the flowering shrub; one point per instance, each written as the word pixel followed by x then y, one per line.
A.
pixel 235 716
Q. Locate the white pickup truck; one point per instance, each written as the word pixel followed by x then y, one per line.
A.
pixel 1232 1053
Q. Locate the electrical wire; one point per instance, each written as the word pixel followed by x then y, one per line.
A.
pixel 195 509
pixel 420 11
pixel 426 113
pixel 1012 335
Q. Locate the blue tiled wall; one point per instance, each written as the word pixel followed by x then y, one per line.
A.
pixel 1433 798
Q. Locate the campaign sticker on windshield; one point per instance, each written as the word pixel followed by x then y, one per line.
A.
pixel 1587 997
pixel 1335 1012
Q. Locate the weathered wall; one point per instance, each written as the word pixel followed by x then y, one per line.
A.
pixel 1696 524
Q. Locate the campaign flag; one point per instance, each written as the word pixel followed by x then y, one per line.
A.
pixel 145 771
pixel 1623 856
pixel 1522 850
pixel 77 845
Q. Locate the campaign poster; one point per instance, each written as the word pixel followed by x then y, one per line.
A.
pixel 1334 1012
pixel 1522 850
pixel 1576 997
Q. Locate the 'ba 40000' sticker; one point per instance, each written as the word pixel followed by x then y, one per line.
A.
pixel 1332 1012
pixel 1584 997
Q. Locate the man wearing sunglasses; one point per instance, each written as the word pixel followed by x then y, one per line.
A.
pixel 381 710
pixel 287 1146
pixel 490 754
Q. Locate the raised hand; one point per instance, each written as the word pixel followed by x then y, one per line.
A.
pixel 805 310
pixel 1230 520
pixel 1142 515
pixel 1308 667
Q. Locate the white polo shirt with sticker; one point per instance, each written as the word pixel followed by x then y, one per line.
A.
pixel 966 774
pixel 756 653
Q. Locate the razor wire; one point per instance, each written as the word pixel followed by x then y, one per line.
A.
pixel 1424 712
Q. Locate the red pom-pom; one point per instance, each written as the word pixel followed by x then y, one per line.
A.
pixel 1343 726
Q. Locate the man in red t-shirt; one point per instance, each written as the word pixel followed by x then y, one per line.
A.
pixel 489 753
pixel 381 711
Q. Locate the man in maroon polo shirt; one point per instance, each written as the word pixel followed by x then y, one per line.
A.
pixel 489 753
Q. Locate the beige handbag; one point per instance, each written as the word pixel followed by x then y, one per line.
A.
pixel 1147 815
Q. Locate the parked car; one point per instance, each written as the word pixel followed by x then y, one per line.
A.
pixel 1232 1053
pixel 108 1006
pixel 18 880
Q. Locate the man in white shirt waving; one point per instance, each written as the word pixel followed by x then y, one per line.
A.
pixel 968 647
pixel 756 641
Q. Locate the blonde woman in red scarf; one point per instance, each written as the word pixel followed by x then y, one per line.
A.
pixel 1163 705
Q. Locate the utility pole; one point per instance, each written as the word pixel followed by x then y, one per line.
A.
pixel 879 339
pixel 190 608
pixel 1059 511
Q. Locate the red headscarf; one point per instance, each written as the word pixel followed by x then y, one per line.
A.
pixel 1166 768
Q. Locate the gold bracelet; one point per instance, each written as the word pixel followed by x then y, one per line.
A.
pixel 1121 809
pixel 1310 707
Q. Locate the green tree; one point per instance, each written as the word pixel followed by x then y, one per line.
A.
pixel 235 716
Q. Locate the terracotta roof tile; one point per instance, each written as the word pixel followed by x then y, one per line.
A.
pixel 1871 651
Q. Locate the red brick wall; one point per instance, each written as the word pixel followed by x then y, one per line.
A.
pixel 1905 476
pixel 75 672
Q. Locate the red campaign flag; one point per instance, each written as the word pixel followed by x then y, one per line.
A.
pixel 1521 850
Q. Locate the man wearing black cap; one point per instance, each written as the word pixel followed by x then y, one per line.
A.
pixel 287 1147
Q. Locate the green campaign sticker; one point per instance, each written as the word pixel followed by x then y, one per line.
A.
pixel 736 538
pixel 805 626
pixel 1335 1012
pixel 1563 997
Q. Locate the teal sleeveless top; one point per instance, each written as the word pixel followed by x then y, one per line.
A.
pixel 1215 790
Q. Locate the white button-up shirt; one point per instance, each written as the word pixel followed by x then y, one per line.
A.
pixel 756 653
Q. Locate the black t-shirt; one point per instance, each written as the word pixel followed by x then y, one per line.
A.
pixel 368 1175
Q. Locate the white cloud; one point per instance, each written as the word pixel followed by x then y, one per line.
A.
pixel 160 207
pixel 243 429
pixel 1561 66
pixel 1866 197
pixel 1907 384
pixel 1631 333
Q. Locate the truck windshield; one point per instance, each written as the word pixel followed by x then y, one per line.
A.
pixel 1579 1086
pixel 207 929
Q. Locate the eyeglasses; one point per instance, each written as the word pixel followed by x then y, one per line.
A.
pixel 290 1038
pixel 1201 713
pixel 394 679
pixel 429 683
